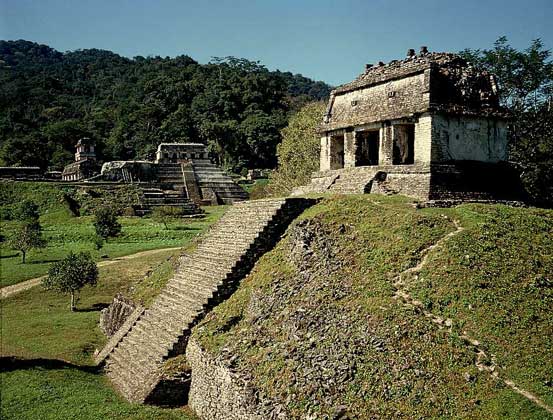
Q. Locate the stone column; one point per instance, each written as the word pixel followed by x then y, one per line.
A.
pixel 386 145
pixel 350 144
pixel 325 153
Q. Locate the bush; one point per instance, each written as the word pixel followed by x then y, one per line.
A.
pixel 6 213
pixel 298 154
pixel 106 224
pixel 71 274
pixel 26 210
pixel 164 214
pixel 27 235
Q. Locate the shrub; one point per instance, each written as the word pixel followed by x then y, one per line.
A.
pixel 26 210
pixel 163 214
pixel 106 224
pixel 71 274
pixel 298 154
pixel 26 236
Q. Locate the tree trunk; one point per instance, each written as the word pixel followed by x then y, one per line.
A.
pixel 72 301
pixel 23 253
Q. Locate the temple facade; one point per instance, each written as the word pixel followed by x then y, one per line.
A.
pixel 429 126
pixel 85 165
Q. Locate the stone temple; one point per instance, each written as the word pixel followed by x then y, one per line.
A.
pixel 429 126
pixel 182 175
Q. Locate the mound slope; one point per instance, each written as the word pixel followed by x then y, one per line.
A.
pixel 370 308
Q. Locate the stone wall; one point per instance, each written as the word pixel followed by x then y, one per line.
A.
pixel 115 315
pixel 468 138
pixel 386 101
pixel 216 393
pixel 129 171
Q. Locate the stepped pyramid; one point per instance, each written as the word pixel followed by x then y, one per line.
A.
pixel 135 355
pixel 211 179
pixel 155 197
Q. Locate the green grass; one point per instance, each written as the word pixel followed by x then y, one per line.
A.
pixel 55 379
pixel 65 233
pixel 301 321
pixel 496 280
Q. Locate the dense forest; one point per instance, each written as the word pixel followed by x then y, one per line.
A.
pixel 49 99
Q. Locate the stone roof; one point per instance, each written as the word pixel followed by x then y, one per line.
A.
pixel 447 83
pixel 397 69
pixel 181 145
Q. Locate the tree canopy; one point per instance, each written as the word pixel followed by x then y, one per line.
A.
pixel 298 154
pixel 526 89
pixel 71 274
pixel 50 99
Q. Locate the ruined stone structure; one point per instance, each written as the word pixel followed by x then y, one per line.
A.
pixel 181 167
pixel 136 353
pixel 85 165
pixel 180 152
pixel 429 126
pixel 21 173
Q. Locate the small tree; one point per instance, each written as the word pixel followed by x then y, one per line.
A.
pixel 164 214
pixel 106 223
pixel 71 274
pixel 298 154
pixel 26 211
pixel 27 235
pixel 98 242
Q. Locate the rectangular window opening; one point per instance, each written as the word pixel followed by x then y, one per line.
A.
pixel 337 152
pixel 368 145
pixel 404 144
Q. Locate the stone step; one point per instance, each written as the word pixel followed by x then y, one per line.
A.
pixel 205 276
pixel 184 303
pixel 206 294
pixel 212 267
pixel 183 299
pixel 201 279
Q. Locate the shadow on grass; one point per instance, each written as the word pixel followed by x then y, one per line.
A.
pixel 42 261
pixel 10 255
pixel 94 308
pixel 12 363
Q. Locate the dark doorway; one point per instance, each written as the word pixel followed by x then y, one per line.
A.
pixel 404 144
pixel 368 145
pixel 337 152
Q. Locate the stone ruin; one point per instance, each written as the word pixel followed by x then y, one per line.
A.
pixel 182 175
pixel 85 165
pixel 429 127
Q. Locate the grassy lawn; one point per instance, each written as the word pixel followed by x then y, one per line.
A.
pixel 65 233
pixel 46 352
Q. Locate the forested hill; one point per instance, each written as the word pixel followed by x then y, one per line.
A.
pixel 49 99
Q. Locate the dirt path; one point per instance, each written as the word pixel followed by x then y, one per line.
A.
pixel 483 362
pixel 25 285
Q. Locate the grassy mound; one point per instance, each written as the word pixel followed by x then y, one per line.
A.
pixel 316 326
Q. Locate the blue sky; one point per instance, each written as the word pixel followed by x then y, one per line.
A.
pixel 322 39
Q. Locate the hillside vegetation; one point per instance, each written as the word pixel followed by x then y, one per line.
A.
pixel 355 315
pixel 50 99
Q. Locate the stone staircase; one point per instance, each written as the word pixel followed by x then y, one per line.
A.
pixel 342 181
pixel 204 278
pixel 155 197
pixel 216 185
pixel 170 176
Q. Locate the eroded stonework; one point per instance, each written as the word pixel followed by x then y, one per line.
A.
pixel 421 127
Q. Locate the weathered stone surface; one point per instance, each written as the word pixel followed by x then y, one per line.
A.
pixel 204 278
pixel 113 317
pixel 410 127
pixel 216 393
